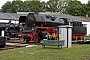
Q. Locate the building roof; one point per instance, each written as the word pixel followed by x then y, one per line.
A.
pixel 15 16
pixel 10 16
pixel 5 16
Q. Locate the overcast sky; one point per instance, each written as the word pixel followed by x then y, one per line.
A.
pixel 4 1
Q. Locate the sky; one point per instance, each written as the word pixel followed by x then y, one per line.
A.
pixel 4 1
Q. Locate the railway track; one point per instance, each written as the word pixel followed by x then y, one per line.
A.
pixel 13 46
pixel 10 47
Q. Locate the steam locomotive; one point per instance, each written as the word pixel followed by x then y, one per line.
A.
pixel 11 30
pixel 36 25
pixel 78 31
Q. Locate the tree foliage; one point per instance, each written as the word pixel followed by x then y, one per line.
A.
pixel 35 6
pixel 57 5
pixel 76 8
pixel 20 6
pixel 88 8
pixel 6 7
pixel 72 7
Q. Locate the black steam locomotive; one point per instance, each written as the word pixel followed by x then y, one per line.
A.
pixel 34 20
pixel 78 30
pixel 10 29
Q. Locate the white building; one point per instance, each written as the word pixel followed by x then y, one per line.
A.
pixel 87 24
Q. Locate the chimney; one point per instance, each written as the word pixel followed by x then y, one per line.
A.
pixel 86 15
pixel 8 12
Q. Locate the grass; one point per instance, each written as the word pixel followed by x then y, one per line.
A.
pixel 76 52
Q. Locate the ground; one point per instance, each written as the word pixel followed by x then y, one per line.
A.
pixel 76 52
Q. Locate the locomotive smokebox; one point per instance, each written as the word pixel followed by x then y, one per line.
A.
pixel 30 20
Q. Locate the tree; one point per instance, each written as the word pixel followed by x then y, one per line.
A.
pixel 26 6
pixel 43 6
pixel 14 6
pixel 63 6
pixel 76 8
pixel 17 6
pixel 6 7
pixel 33 6
pixel 57 5
pixel 88 8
